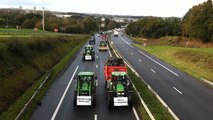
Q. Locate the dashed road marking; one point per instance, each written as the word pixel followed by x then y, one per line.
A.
pixel 158 63
pixel 95 117
pixel 152 70
pixel 140 60
pixel 178 90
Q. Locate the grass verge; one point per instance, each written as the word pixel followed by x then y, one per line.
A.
pixel 16 107
pixel 157 109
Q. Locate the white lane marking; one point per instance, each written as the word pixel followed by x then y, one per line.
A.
pixel 95 117
pixel 110 52
pixel 63 96
pixel 126 42
pixel 140 60
pixel 135 112
pixel 131 53
pixel 97 57
pixel 96 83
pixel 178 90
pixel 131 46
pixel 25 106
pixel 152 70
pixel 97 51
pixel 159 64
pixel 96 66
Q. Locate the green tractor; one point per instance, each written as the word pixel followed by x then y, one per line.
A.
pixel 89 53
pixel 85 92
pixel 118 90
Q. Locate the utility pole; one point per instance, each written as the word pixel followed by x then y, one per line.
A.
pixel 7 23
pixel 43 19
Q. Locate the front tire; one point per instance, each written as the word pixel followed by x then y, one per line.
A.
pixel 75 98
pixel 130 99
pixel 110 100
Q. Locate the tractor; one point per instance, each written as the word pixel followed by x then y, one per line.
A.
pixel 103 46
pixel 85 92
pixel 89 53
pixel 118 90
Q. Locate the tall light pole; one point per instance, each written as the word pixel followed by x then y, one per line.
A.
pixel 43 19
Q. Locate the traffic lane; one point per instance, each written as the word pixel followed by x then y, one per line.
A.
pixel 103 112
pixel 145 68
pixel 202 92
pixel 67 109
pixel 73 113
pixel 54 93
pixel 192 90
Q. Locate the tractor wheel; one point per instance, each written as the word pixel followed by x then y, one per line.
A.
pixel 110 100
pixel 106 84
pixel 93 100
pixel 75 98
pixel 93 58
pixel 130 99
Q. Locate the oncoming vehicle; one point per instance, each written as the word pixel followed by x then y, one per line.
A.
pixel 85 92
pixel 116 33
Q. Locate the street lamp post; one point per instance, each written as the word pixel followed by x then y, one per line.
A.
pixel 43 19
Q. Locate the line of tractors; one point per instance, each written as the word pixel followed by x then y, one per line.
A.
pixel 117 82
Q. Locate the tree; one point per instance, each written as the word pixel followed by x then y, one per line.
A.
pixel 197 22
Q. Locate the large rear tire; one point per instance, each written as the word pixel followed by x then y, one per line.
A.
pixel 110 99
pixel 93 100
pixel 75 98
pixel 130 99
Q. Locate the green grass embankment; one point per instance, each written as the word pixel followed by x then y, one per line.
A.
pixel 24 60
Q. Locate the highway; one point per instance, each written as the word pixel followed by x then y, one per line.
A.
pixel 189 98
pixel 57 104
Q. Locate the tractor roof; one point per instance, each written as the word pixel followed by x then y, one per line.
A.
pixel 117 73
pixel 89 46
pixel 85 73
pixel 120 87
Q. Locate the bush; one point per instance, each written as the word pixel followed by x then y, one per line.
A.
pixel 20 49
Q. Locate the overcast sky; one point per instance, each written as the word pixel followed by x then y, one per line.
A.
pixel 161 8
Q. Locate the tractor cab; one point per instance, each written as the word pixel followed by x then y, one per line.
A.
pixel 103 45
pixel 120 83
pixel 119 93
pixel 85 89
pixel 89 53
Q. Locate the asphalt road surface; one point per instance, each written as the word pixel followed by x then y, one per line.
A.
pixel 189 98
pixel 58 102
